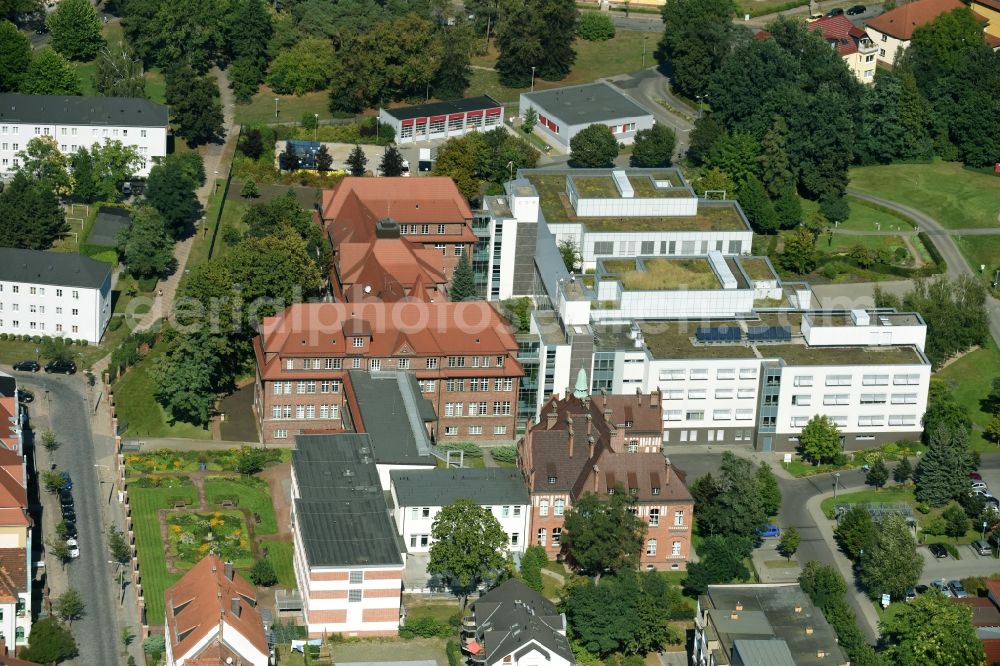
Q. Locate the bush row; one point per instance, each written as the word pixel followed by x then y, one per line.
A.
pixel 41 339
pixel 428 627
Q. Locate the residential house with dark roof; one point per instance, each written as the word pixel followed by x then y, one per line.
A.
pixel 463 356
pixel 212 618
pixel 852 44
pixel 763 625
pixel 57 294
pixel 76 121
pixel 514 625
pixel 580 446
pixel 892 31
pixel 346 554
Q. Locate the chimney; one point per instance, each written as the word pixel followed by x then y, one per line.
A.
pixel 590 424
pixel 667 467
pixel 569 423
pixel 550 419
pixel 798 608
pixel 229 570
pixel 820 654
pixel 809 631
pixel 734 616
pixel 654 398
pixel 234 606
pixel 590 442
pixel 739 605
pixel 609 416
pixel 604 400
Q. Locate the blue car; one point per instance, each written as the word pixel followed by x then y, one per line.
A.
pixel 772 531
pixel 69 482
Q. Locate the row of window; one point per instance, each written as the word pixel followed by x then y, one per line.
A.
pixel 500 408
pixel 701 374
pixel 444 249
pixel 865 421
pixel 711 435
pixel 305 412
pixel 805 400
pixel 39 291
pixel 506 511
pixel 376 363
pixel 452 431
pixel 702 394
pixel 40 309
pixel 70 131
pixel 422 229
pixel 307 387
pixel 699 415
pixel 675 548
pixel 909 379
pixel 480 384
pixel 647 248
pixel 40 326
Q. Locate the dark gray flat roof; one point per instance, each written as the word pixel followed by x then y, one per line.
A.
pixel 480 103
pixel 79 110
pixel 489 486
pixel 393 412
pixel 586 104
pixel 341 510
pixel 56 268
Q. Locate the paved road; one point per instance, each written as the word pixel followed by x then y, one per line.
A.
pixel 648 86
pixel 61 402
pixel 654 22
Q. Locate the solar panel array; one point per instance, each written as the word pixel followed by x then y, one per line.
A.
pixel 769 333
pixel 717 334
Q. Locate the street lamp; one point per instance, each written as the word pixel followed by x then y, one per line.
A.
pixel 275 108
pixel 532 78
pixel 644 38
pixel 984 530
pixel 316 130
pixel 836 482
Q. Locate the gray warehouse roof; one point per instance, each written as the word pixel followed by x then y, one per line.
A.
pixel 586 104
pixel 78 110
pixel 55 268
pixel 489 486
pixel 393 413
pixel 341 510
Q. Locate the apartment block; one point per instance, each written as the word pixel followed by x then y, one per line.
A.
pixel 462 354
pixel 15 551
pixel 346 557
pixel 75 122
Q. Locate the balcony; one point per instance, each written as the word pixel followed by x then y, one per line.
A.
pixel 469 622
pixel 867 46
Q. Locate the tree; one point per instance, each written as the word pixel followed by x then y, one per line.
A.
pixel 716 183
pixel 469 547
pixel 181 31
pixel 767 487
pixel 697 37
pixel 942 474
pixel 99 171
pixel 250 460
pixel 834 208
pixel 30 214
pixel 593 147
pixel 49 441
pixel 305 67
pixel 252 143
pixel 53 481
pixel 41 161
pixel 49 642
pixel 532 561
pixel 15 56
pixel 391 163
pixel 184 379
pixel 194 105
pixel 323 159
pixel 463 282
pixel 170 189
pixel 58 548
pixel 755 203
pixel 119 547
pixel 248 27
pixel 537 34
pixel 262 573
pixel 280 214
pixel 877 474
pixel 788 208
pixel 993 429
pixel 249 190
pixel 147 246
pixel 820 439
pixel 956 521
pixel 930 630
pixel 289 158
pixel 653 147
pixel 50 74
pixel 457 159
pixel 788 544
pixel 69 606
pixel 799 253
pixel 602 534
pixel 244 79
pixel 127 635
pixel 454 74
pixel 822 583
pixel 530 120
pixel 570 254
pixel 706 132
pixel 737 502
pixel 120 72
pixel 892 563
pixel 721 560
pixel 775 168
pixel 595 27
pixel 154 645
pixel 944 412
pixel 737 155
pixel 357 161
pixel 76 29
pixel 903 470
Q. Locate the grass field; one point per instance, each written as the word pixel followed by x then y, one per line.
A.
pixel 890 495
pixel 955 197
pixel 136 406
pixel 981 251
pixel 842 243
pixel 291 108
pixel 619 55
pixel 970 378
pixel 252 495
pixel 280 554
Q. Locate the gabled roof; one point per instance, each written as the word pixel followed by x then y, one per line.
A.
pixel 202 600
pixel 643 412
pixel 13 573
pixel 389 269
pixel 903 20
pixel 7 659
pixel 840 31
pixel 9 419
pixel 984 611
pixel 512 617
pixel 13 496
pixel 992 4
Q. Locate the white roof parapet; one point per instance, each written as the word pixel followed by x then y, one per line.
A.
pixel 621 182
pixel 718 263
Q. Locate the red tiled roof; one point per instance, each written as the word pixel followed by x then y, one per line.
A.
pixel 991 646
pixel 984 612
pixel 644 412
pixel 992 4
pixel 13 497
pixel 391 269
pixel 903 20
pixel 201 600
pixel 840 31
pixel 7 659
pixel 13 573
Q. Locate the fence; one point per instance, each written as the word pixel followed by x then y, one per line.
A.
pixel 225 193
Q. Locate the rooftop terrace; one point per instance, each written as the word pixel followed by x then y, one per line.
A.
pixel 664 274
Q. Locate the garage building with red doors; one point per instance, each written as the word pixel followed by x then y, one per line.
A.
pixel 443 120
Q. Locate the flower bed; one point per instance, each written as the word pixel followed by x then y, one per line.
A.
pixel 167 460
pixel 194 535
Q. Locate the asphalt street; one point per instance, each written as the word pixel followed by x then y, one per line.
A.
pixel 64 400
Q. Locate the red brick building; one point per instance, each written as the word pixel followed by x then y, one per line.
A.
pixel 590 445
pixel 462 354
pixel 430 212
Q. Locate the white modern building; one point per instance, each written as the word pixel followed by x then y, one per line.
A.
pixel 418 496
pixel 564 112
pixel 54 294
pixel 76 122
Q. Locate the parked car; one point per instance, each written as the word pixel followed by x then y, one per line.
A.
pixel 976 476
pixel 27 366
pixel 69 514
pixel 65 498
pixel 74 548
pixel 837 11
pixel 25 396
pixel 67 479
pixel 911 594
pixel 981 547
pixel 921 589
pixel 856 10
pixel 958 589
pixel 982 492
pixel 70 529
pixel 62 367
pixel 938 550
pixel 978 485
pixel 772 531
pixel 942 587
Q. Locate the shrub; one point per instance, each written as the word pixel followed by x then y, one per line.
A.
pixel 469 448
pixel 504 454
pixel 595 27
pixel 923 508
pixel 3 336
pixel 262 573
pixel 154 645
pixel 975 585
pixel 424 627
pixel 952 550
pixel 454 653
pixel 936 527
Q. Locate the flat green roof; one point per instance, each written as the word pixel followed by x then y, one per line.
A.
pixel 756 268
pixel 802 355
pixel 664 274
pixel 672 339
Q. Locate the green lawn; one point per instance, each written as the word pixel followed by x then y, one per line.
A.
pixel 290 107
pixel 842 243
pixel 970 378
pixel 136 406
pixel 594 60
pixel 892 494
pixel 280 554
pixel 957 198
pixel 145 504
pixel 981 251
pixel 866 218
pixel 251 494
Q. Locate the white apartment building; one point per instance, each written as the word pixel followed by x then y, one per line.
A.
pixel 80 122
pixel 418 496
pixel 56 294
pixel 348 566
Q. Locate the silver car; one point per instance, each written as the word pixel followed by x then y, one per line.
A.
pixel 981 547
pixel 942 587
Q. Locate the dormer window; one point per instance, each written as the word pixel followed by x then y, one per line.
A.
pixel 359 343
pixel 611 491
pixel 628 424
pixel 552 480
pixel 656 491
pixel 633 491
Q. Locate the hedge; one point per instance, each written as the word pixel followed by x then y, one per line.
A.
pixel 933 251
